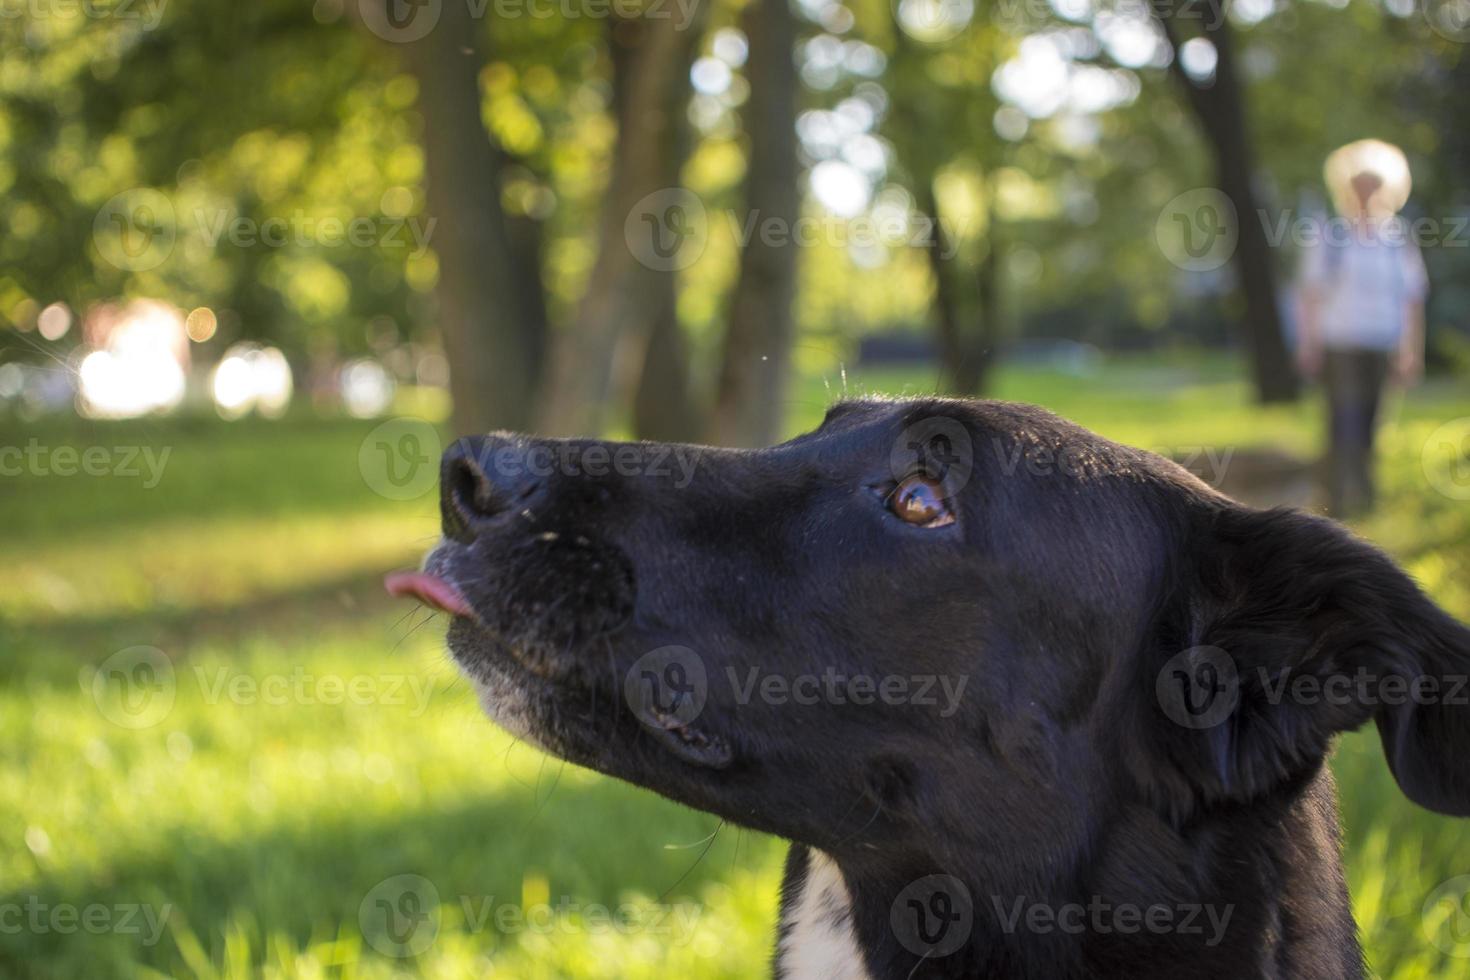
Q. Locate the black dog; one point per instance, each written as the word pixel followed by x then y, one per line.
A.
pixel 1030 703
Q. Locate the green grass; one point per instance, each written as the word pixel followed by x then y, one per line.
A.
pixel 304 744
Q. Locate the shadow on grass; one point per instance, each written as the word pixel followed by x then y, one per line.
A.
pixel 179 469
pixel 285 615
pixel 598 842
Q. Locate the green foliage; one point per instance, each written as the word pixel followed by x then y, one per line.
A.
pixel 253 115
pixel 284 113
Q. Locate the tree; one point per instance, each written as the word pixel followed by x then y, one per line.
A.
pixel 1218 105
pixel 965 309
pixel 756 353
pixel 967 328
pixel 490 314
pixel 627 294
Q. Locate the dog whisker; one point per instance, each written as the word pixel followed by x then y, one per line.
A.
pixel 702 840
pixel 708 843
pixel 401 619
pixel 414 629
pixel 555 782
pixel 922 959
pixel 877 810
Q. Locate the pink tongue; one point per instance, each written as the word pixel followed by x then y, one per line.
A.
pixel 429 590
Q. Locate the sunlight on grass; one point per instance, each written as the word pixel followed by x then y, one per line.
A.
pixel 258 803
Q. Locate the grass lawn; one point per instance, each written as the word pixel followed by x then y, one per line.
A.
pixel 227 755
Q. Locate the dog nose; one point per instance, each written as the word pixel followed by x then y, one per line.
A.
pixel 481 477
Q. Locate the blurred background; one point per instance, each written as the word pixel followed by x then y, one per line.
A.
pixel 261 261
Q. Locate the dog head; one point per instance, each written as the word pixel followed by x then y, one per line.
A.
pixel 930 621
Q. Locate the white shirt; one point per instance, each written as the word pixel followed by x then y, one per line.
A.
pixel 1366 276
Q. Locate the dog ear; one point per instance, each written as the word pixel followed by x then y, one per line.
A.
pixel 1285 630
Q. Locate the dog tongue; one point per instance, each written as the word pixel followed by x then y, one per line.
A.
pixel 428 589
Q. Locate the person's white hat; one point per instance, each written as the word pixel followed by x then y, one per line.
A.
pixel 1384 161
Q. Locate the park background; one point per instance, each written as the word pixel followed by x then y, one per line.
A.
pixel 261 261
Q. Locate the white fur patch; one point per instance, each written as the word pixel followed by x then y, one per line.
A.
pixel 504 702
pixel 819 943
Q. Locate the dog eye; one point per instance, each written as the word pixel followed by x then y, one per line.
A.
pixel 918 500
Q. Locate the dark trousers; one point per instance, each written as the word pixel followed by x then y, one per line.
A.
pixel 1354 381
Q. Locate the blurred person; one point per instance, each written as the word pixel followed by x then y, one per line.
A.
pixel 1362 316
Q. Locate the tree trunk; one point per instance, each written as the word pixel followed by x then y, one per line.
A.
pixel 665 408
pixel 948 332
pixel 965 356
pixel 630 289
pixel 756 359
pixel 526 241
pixel 965 310
pixel 1221 113
pixel 492 336
pixel 988 330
